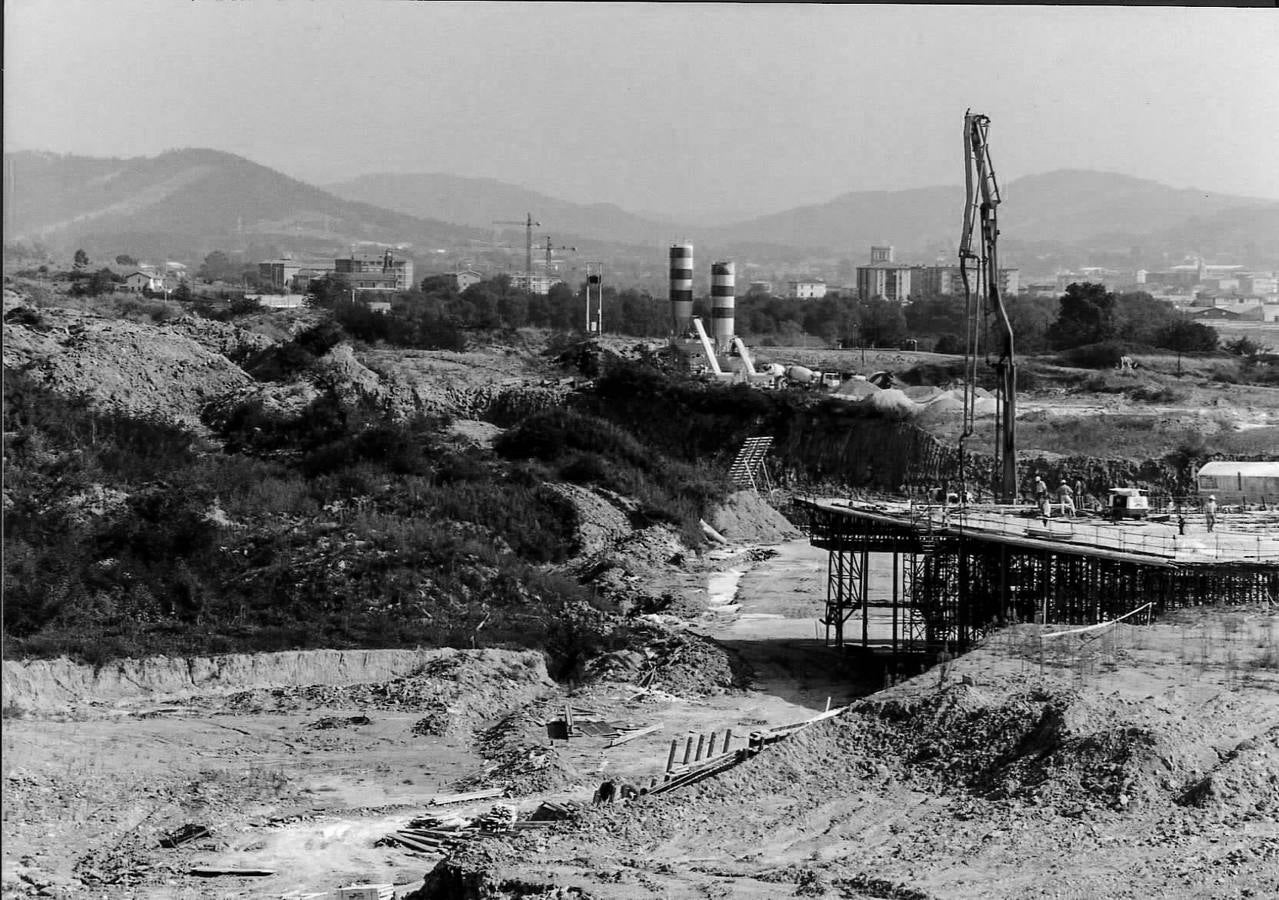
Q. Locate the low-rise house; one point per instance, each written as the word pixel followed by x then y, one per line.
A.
pixel 806 290
pixel 278 301
pixel 466 278
pixel 138 282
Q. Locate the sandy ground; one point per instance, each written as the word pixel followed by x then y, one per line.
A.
pixel 92 790
pixel 828 813
pixel 1132 762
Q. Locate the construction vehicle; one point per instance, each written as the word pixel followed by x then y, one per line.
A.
pixel 1128 503
pixel 982 303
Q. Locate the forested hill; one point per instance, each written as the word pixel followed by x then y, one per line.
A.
pixel 1066 206
pixel 479 202
pixel 192 200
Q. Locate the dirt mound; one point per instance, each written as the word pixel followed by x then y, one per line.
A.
pixel 857 388
pixel 689 665
pixel 518 758
pixel 353 381
pixel 459 690
pixel 601 522
pixel 495 384
pixel 37 685
pixel 922 393
pixel 473 431
pixel 229 340
pixel 1245 782
pixel 893 400
pixel 747 518
pixel 139 369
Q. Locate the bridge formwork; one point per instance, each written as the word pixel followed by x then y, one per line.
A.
pixel 952 577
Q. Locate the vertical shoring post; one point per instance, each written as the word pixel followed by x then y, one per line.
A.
pixel 1044 587
pixel 896 599
pixel 1005 595
pixel 833 558
pixel 837 590
pixel 963 599
pixel 864 582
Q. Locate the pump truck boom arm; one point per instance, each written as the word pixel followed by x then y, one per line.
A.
pixel 981 217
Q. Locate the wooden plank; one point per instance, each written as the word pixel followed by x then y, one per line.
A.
pixel 214 872
pixel 829 714
pixel 418 846
pixel 442 799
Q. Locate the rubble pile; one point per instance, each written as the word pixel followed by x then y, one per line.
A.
pixel 689 665
pixel 232 341
pixel 518 757
pixel 121 366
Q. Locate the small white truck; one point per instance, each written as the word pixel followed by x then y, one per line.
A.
pixel 1128 503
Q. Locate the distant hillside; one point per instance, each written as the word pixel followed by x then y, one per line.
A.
pixel 184 203
pixel 1067 206
pixel 480 201
pixel 193 199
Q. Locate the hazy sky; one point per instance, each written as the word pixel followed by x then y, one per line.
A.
pixel 679 108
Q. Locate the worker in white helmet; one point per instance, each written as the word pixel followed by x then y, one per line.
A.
pixel 1210 512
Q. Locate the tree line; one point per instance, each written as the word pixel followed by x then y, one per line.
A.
pixel 437 313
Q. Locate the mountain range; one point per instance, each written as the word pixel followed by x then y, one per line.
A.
pixel 191 201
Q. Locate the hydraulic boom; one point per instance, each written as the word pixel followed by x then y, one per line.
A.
pixel 982 295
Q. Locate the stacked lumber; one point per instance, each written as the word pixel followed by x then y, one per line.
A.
pixel 442 835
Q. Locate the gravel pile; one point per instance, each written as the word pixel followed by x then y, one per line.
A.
pixel 747 518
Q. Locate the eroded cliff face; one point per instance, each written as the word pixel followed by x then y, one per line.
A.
pixel 832 452
pixel 44 685
pixel 863 452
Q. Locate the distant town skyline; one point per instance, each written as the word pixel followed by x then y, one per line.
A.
pixel 661 108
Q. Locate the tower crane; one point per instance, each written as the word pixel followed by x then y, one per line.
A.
pixel 550 248
pixel 529 225
pixel 981 295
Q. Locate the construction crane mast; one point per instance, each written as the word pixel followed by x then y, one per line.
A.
pixel 550 248
pixel 982 299
pixel 529 225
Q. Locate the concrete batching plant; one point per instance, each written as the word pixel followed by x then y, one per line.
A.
pixel 723 301
pixel 682 288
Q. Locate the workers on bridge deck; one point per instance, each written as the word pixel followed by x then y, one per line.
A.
pixel 1066 497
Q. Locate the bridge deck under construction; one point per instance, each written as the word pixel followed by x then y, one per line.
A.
pixel 953 574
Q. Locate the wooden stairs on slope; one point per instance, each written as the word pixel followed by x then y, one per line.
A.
pixel 748 469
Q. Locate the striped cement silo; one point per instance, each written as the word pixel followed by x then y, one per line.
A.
pixel 682 287
pixel 723 299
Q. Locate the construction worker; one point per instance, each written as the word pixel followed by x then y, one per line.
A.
pixel 1210 512
pixel 1066 498
pixel 1041 490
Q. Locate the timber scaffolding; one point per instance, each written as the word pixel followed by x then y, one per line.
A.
pixel 956 573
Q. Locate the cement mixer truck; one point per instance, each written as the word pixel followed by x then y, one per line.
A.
pixel 802 376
